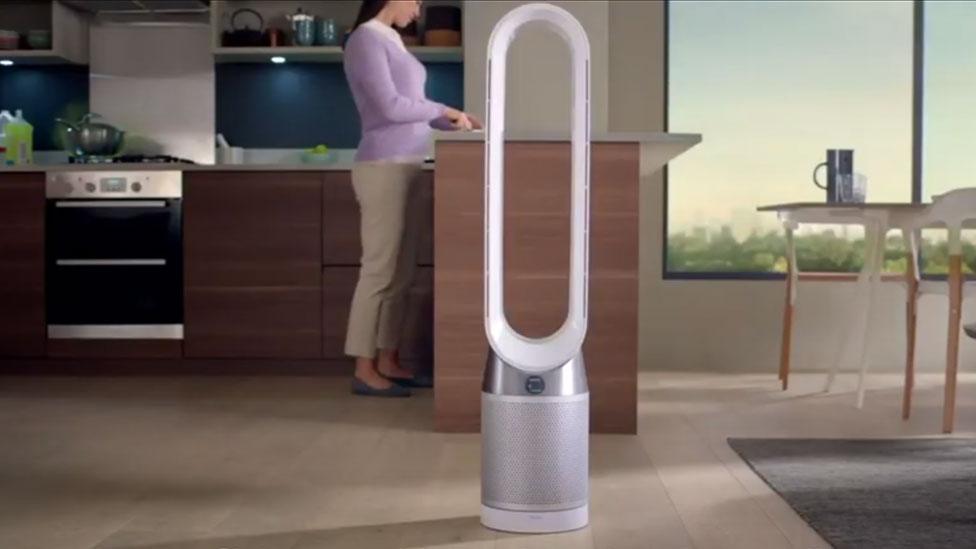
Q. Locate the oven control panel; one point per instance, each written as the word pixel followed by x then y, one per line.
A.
pixel 114 184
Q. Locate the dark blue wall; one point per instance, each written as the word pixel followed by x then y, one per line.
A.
pixel 299 105
pixel 45 93
pixel 258 105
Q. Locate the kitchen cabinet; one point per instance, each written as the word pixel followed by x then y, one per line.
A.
pixel 69 32
pixel 253 265
pixel 22 324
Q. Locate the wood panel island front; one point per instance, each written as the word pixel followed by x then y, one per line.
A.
pixel 537 210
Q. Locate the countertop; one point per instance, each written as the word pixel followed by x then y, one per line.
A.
pixel 603 137
pixel 335 167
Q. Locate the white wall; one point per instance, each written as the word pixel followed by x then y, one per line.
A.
pixel 156 82
pixel 539 92
pixel 729 325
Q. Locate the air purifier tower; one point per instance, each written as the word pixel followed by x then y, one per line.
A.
pixel 535 400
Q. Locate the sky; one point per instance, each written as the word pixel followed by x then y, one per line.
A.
pixel 772 85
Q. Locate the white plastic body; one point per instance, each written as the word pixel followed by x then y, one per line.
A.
pixel 531 354
pixel 529 522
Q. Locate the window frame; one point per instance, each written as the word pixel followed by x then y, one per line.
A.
pixel 918 105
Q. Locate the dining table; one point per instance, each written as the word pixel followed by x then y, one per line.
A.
pixel 877 220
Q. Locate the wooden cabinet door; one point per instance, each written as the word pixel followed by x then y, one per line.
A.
pixel 341 245
pixel 338 285
pixel 253 260
pixel 22 324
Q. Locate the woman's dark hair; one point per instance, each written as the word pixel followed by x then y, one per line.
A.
pixel 367 10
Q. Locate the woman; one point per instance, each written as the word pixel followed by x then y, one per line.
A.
pixel 387 84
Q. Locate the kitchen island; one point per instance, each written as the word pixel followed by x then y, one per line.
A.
pixel 537 209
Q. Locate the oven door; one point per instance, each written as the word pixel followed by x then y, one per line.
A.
pixel 114 269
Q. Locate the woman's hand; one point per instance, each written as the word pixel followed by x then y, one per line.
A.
pixel 459 120
pixel 475 123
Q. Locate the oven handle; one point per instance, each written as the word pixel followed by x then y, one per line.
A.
pixel 109 262
pixel 110 204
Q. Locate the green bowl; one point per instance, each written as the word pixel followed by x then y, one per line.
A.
pixel 310 157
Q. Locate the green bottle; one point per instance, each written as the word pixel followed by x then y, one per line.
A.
pixel 20 141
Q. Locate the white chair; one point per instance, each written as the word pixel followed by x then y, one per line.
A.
pixel 951 210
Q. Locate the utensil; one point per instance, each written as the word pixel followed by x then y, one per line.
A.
pixel 244 36
pixel 326 33
pixel 39 39
pixel 303 28
pixel 840 162
pixel 89 138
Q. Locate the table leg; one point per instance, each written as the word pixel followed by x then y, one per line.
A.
pixel 876 251
pixel 952 348
pixel 862 305
pixel 786 344
pixel 911 319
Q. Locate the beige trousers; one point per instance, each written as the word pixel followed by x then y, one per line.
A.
pixel 387 196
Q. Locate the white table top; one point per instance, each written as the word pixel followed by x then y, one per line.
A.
pixel 891 214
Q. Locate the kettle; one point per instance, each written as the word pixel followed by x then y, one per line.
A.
pixel 303 28
pixel 89 138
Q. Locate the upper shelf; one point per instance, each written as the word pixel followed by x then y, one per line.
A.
pixel 69 33
pixel 34 57
pixel 324 54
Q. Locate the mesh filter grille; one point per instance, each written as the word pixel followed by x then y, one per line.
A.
pixel 534 453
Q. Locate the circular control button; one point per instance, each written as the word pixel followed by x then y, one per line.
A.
pixel 535 385
pixel 90 187
pixel 136 187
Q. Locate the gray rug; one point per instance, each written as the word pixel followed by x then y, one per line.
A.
pixel 918 493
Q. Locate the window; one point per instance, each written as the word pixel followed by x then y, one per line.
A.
pixel 771 86
pixel 950 117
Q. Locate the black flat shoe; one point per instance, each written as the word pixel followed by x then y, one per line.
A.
pixel 419 381
pixel 361 388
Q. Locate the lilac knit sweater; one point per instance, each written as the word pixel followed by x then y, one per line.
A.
pixel 387 85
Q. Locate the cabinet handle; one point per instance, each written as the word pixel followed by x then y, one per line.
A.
pixel 110 204
pixel 109 262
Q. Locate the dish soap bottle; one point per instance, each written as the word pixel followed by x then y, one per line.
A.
pixel 19 140
pixel 5 118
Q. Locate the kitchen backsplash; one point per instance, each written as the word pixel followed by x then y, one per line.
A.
pixel 45 93
pixel 299 105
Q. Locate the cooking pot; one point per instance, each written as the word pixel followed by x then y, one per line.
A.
pixel 88 138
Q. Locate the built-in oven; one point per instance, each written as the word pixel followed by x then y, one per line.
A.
pixel 114 255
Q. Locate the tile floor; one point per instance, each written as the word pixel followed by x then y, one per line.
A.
pixel 296 463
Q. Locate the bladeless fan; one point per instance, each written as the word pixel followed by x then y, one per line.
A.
pixel 535 401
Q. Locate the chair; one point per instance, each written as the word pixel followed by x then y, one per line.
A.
pixel 950 210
